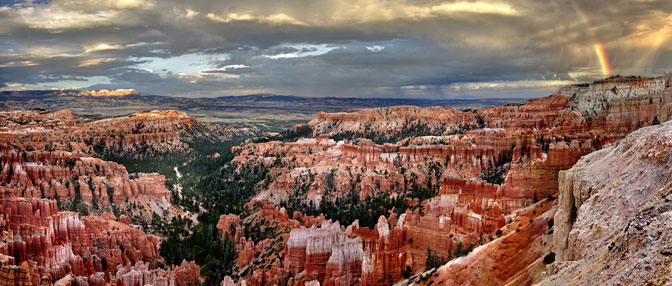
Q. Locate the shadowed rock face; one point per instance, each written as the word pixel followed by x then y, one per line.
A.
pixel 533 142
pixel 613 221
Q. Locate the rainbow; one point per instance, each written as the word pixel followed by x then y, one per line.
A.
pixel 599 48
pixel 602 56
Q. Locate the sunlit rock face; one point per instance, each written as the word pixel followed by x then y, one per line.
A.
pixel 99 92
pixel 380 153
pixel 613 220
pixel 343 158
pixel 515 258
pixel 394 122
pixel 138 134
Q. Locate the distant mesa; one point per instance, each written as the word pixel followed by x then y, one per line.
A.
pixel 99 92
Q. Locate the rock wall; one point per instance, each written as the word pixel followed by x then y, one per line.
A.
pixel 515 258
pixel 67 176
pixel 614 214
pixel 324 254
pixel 138 134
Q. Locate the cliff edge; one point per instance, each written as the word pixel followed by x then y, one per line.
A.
pixel 614 221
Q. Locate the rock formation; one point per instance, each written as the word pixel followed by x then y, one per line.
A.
pixel 135 135
pixel 613 221
pixel 46 162
pixel 324 254
pixel 100 92
pixel 435 180
pixel 42 244
pixel 96 183
pixel 490 168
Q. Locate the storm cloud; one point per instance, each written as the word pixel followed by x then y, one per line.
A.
pixel 370 48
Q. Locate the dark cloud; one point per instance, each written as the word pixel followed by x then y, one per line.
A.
pixel 329 48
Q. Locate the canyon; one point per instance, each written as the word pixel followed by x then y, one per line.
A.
pixel 52 160
pixel 492 177
pixel 566 189
pixel 269 112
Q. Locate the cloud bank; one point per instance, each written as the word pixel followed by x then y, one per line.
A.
pixel 369 48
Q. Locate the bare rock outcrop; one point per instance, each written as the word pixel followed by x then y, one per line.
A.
pixel 614 216
pixel 324 254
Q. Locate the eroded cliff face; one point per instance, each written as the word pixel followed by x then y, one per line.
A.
pixel 138 134
pixel 486 178
pixel 614 217
pixel 42 245
pixel 46 160
pixel 67 177
pixel 528 144
pixel 396 122
pixel 515 258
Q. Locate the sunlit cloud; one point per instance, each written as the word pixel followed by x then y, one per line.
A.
pixel 102 47
pixel 277 19
pixel 375 48
pixel 95 62
pixel 49 18
pixel 380 10
pixel 191 13
pixel 475 7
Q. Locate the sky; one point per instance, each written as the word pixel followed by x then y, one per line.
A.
pixel 344 48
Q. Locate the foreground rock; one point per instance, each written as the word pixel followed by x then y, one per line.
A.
pixel 514 259
pixel 615 215
pixel 41 244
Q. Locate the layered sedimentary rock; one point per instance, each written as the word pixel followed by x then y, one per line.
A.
pixel 229 225
pixel 613 221
pixel 135 135
pixel 63 175
pixel 141 133
pixel 513 259
pixel 484 178
pixel 385 122
pixel 323 254
pixel 46 162
pixel 43 244
pixel 456 153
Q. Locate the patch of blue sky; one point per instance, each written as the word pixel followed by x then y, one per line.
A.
pixel 183 64
pixel 9 3
pixel 11 47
